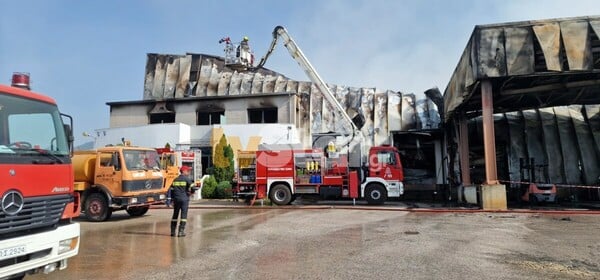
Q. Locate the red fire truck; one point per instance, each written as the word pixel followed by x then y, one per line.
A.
pixel 36 183
pixel 283 175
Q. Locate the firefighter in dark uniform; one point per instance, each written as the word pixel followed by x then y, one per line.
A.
pixel 179 193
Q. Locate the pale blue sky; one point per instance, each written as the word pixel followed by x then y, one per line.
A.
pixel 87 53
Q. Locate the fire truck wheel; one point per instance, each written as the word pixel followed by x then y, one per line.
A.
pixel 280 195
pixel 96 208
pixel 375 194
pixel 137 211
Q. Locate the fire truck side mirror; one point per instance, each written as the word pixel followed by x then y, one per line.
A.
pixel 69 135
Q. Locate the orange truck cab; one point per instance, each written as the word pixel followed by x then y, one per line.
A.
pixel 118 178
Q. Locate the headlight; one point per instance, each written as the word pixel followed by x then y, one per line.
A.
pixel 67 245
pixel 162 196
pixel 133 200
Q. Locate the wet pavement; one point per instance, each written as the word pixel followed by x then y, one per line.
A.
pixel 338 244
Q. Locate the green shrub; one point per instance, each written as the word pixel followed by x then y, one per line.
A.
pixel 209 187
pixel 223 190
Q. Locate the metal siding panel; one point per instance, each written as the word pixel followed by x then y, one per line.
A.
pixel 303 115
pixel 305 110
pixel 205 71
pixel 568 145
pixel 246 86
pixel 576 39
pixel 587 151
pixel 171 76
pixel 213 81
pixel 535 144
pixel 149 77
pixel 380 118
pixel 491 54
pixel 292 86
pixel 422 115
pixel 367 101
pixel 394 110
pixel 235 83
pixel 592 113
pixel 257 82
pixel 341 94
pixel 328 113
pixel 316 105
pixel 280 84
pixel 434 114
pixel 158 86
pixel 183 83
pixel 223 87
pixel 596 27
pixel 552 144
pixel 269 84
pixel 519 51
pixel 462 78
pixel 548 35
pixel 517 145
pixel 409 120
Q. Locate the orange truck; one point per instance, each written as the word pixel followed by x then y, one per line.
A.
pixel 38 203
pixel 119 178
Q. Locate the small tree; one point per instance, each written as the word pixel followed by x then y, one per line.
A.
pixel 223 161
pixel 209 187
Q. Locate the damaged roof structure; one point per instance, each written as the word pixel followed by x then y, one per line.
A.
pixel 200 76
pixel 545 81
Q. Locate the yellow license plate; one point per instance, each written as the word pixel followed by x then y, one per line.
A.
pixel 150 199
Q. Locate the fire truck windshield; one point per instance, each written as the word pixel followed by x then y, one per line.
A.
pixel 31 129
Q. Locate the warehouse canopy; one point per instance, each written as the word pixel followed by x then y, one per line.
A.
pixel 531 64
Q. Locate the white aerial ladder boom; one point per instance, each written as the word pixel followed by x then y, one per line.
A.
pixel 310 71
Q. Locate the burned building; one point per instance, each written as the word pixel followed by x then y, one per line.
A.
pixel 537 84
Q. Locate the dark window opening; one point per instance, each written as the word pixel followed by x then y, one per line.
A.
pixel 162 118
pixel 208 118
pixel 263 115
pixel 206 159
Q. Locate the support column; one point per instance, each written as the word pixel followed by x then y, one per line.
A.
pixel 493 194
pixel 467 191
pixel 463 151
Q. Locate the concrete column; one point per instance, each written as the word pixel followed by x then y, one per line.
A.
pixel 493 194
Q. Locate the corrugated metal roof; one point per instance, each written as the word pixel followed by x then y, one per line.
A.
pixel 531 64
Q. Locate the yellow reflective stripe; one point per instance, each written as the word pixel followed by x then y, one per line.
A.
pixel 184 220
pixel 174 220
pixel 179 184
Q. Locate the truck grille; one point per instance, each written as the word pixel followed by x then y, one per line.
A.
pixel 142 185
pixel 37 212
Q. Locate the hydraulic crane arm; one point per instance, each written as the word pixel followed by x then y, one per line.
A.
pixel 310 71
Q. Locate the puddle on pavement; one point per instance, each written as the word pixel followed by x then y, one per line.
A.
pixel 112 251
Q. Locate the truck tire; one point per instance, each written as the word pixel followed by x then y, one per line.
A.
pixel 280 194
pixel 375 194
pixel 137 211
pixel 96 208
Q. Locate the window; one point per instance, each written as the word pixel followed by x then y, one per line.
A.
pixel 386 157
pixel 208 118
pixel 162 118
pixel 263 115
pixel 28 127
